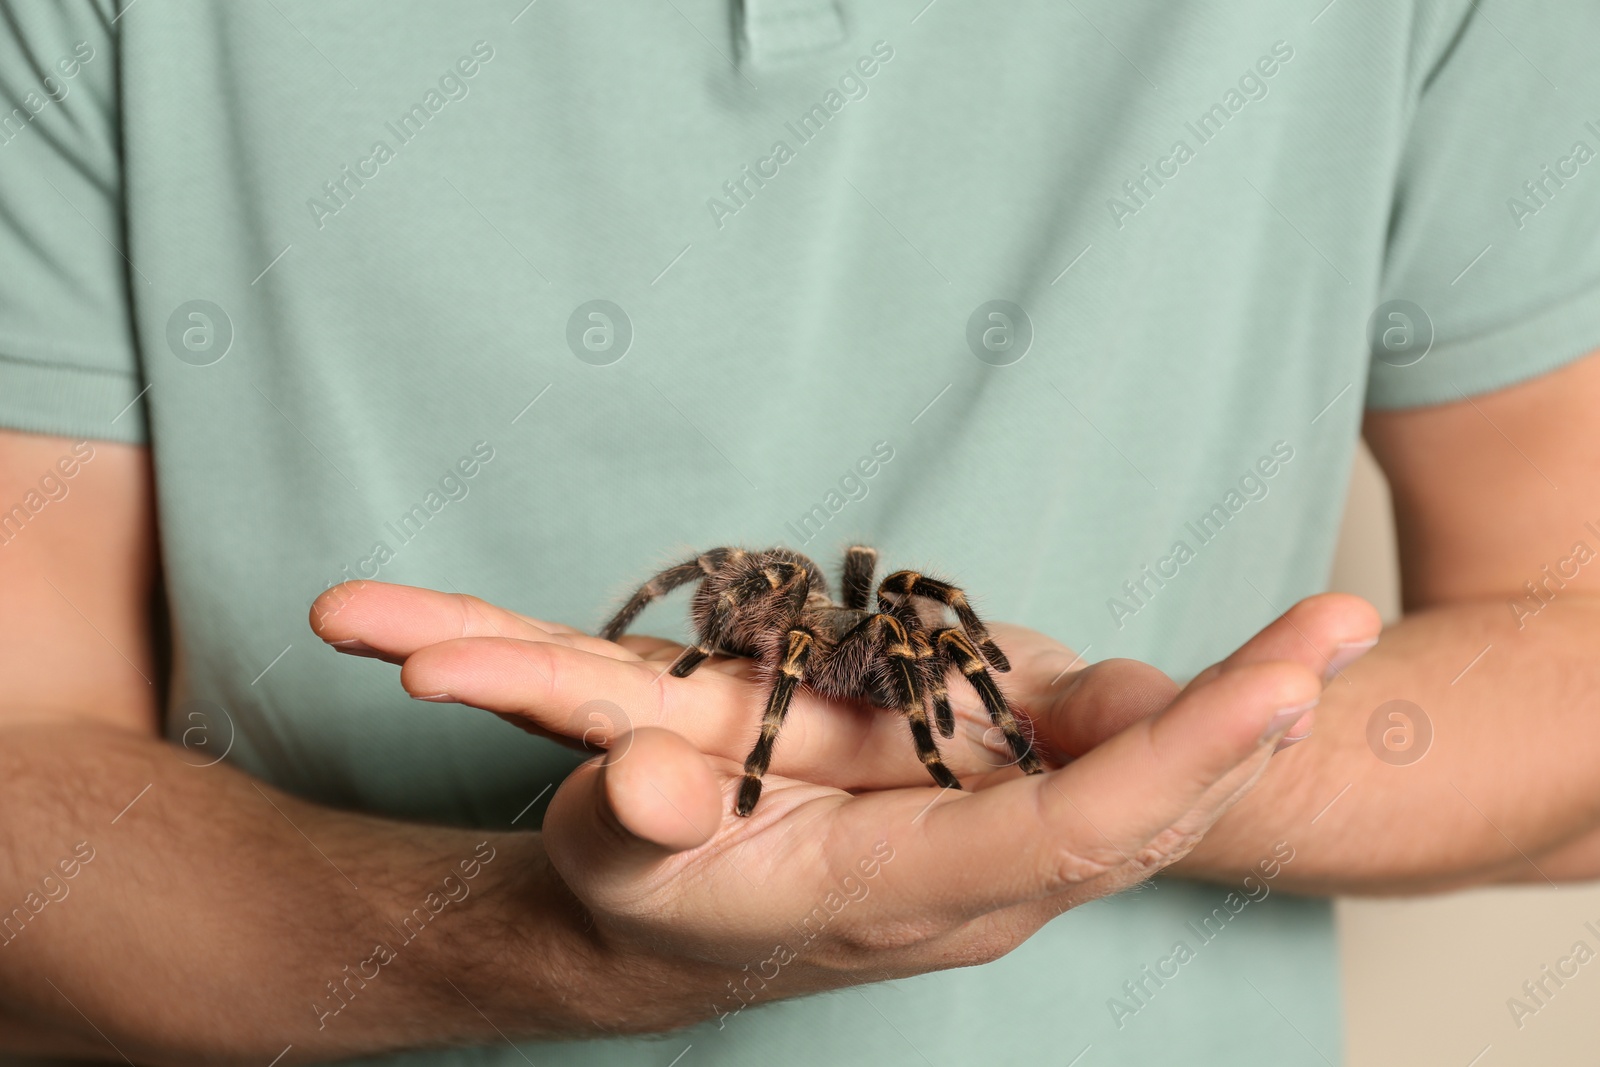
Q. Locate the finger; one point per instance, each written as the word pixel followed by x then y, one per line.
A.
pixel 559 691
pixel 550 689
pixel 658 649
pixel 614 818
pixel 390 622
pixel 544 681
pixel 1040 835
pixel 1074 706
pixel 1099 702
pixel 1325 633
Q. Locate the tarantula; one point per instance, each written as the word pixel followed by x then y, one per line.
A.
pixel 774 606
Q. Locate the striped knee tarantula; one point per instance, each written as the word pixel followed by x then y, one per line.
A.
pixel 774 606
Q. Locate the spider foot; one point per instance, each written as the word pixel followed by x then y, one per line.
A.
pixel 749 793
pixel 688 660
pixel 941 774
pixel 996 658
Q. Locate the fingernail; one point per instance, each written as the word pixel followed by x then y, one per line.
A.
pixel 1345 654
pixel 356 647
pixel 1287 741
pixel 1285 719
pixel 437 698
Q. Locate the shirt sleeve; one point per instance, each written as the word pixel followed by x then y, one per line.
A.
pixel 68 359
pixel 1492 271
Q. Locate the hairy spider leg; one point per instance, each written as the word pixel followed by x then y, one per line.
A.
pixel 897 645
pixel 856 582
pixel 932 662
pixel 702 566
pixel 956 648
pixel 935 664
pixel 908 584
pixel 788 578
pixel 711 632
pixel 791 670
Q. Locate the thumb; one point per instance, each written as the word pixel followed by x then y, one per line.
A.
pixel 651 795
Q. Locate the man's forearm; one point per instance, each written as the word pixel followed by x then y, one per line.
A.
pixel 185 913
pixel 1507 778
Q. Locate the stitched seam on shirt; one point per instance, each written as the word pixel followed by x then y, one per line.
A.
pixel 56 364
pixel 1563 304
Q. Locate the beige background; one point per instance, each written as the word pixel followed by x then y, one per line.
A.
pixel 1426 980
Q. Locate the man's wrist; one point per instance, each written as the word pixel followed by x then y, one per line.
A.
pixel 540 965
pixel 519 950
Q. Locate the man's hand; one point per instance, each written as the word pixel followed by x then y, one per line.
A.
pixel 546 677
pixel 695 910
pixel 1496 650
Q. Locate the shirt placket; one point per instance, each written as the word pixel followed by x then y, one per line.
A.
pixel 782 31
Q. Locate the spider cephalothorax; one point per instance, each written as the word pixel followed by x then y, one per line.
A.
pixel 774 606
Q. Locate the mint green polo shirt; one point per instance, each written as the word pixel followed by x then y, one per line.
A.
pixel 1077 303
